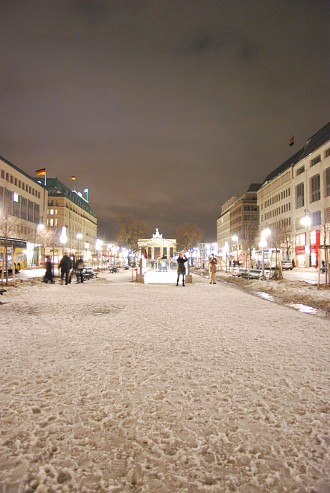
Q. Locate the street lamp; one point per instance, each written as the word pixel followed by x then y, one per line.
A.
pixel 226 249
pixel 306 222
pixel 79 238
pixel 40 229
pixel 235 238
pixel 63 238
pixel 98 247
pixel 262 244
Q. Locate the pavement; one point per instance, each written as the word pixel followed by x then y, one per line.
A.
pixel 309 274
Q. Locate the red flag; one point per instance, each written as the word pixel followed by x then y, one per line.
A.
pixel 291 143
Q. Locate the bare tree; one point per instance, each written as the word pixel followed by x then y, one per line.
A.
pixel 130 230
pixel 325 220
pixel 188 236
pixel 7 230
pixel 278 234
pixel 250 233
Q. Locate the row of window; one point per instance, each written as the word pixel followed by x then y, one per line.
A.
pixel 250 217
pixel 19 183
pixel 278 211
pixel 313 162
pixel 315 189
pixel 18 206
pixel 276 198
pixel 21 231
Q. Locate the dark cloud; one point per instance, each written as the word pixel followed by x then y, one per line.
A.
pixel 163 109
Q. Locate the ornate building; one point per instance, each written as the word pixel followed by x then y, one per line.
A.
pixel 158 247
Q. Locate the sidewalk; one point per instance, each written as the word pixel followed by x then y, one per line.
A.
pixel 114 386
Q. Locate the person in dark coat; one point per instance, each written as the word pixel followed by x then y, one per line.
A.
pixel 49 277
pixel 65 265
pixel 79 270
pixel 181 260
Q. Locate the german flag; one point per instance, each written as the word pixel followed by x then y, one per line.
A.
pixel 41 172
pixel 73 178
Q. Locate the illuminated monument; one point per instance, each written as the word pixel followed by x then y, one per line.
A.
pixel 158 247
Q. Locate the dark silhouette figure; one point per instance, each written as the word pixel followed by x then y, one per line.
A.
pixel 49 276
pixel 79 270
pixel 65 265
pixel 181 260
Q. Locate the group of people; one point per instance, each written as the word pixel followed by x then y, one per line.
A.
pixel 182 259
pixel 66 265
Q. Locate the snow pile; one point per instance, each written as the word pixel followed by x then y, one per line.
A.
pixel 113 386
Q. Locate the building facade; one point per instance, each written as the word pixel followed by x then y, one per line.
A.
pixel 294 201
pixel 237 226
pixel 23 204
pixel 71 224
pixel 40 217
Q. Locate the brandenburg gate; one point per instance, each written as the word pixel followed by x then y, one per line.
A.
pixel 158 247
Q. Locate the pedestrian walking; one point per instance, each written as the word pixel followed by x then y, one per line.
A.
pixel 181 260
pixel 65 265
pixel 213 269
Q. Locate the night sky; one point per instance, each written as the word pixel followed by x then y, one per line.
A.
pixel 163 109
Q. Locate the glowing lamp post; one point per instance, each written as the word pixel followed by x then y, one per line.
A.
pixel 263 243
pixel 235 239
pixel 79 238
pixel 306 222
pixel 226 250
pixel 98 247
pixel 40 229
pixel 86 252
pixel 63 238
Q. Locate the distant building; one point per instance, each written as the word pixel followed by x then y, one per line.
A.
pixel 237 225
pixel 157 247
pixel 71 224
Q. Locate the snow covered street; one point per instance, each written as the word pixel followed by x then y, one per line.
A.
pixel 118 387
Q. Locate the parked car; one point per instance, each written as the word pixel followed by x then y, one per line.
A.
pixel 287 265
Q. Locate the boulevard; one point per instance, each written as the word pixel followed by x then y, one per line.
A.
pixel 309 275
pixel 114 386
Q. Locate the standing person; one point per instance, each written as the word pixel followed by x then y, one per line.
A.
pixel 181 260
pixel 213 269
pixel 65 265
pixel 79 270
pixel 49 271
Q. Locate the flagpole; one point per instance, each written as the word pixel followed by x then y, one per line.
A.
pixel 291 142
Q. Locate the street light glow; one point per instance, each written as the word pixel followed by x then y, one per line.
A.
pixel 306 221
pixel 63 237
pixel 265 233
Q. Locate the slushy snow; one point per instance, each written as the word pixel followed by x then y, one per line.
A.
pixel 118 387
